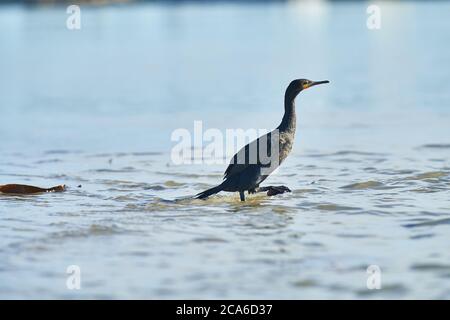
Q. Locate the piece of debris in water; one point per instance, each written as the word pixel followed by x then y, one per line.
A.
pixel 24 189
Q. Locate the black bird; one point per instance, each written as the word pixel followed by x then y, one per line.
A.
pixel 257 160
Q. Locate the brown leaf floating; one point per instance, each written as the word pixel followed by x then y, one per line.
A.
pixel 24 189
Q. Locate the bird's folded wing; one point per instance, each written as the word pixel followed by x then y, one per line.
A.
pixel 249 155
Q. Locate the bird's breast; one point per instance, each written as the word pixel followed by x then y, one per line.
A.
pixel 286 143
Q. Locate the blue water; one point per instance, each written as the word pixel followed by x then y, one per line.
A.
pixel 370 169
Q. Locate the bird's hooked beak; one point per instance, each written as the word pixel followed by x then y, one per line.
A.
pixel 314 83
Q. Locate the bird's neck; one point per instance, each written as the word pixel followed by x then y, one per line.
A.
pixel 288 123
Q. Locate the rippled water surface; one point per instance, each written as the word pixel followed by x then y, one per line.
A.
pixel 94 109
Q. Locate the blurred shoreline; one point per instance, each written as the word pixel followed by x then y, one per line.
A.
pixel 111 2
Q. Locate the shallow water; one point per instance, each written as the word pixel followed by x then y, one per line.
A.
pixel 94 109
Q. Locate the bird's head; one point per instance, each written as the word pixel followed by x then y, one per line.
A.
pixel 296 86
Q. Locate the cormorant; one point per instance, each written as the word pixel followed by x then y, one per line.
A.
pixel 248 168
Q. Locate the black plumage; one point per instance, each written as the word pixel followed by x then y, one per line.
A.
pixel 257 160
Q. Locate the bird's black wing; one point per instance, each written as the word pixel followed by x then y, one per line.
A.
pixel 252 154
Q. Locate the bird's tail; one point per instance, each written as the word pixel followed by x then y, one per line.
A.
pixel 207 193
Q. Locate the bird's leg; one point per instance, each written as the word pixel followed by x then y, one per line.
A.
pixel 274 190
pixel 242 195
